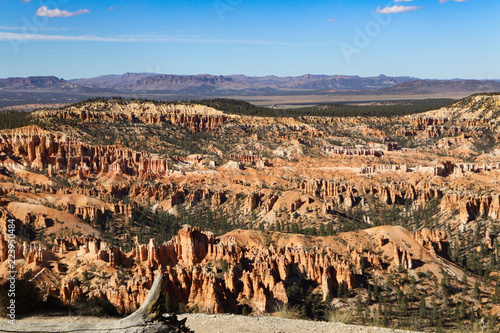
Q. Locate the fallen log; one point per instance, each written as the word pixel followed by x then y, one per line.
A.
pixel 149 318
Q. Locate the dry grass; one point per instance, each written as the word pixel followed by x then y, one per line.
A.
pixel 283 310
pixel 336 316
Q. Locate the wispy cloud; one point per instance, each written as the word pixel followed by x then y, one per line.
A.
pixel 402 1
pixel 27 0
pixel 12 36
pixel 443 1
pixel 44 11
pixel 396 9
pixel 332 20
pixel 31 29
pixel 111 8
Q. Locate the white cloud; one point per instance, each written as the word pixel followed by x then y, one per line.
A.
pixel 443 1
pixel 402 0
pixel 332 20
pixel 22 37
pixel 396 9
pixel 30 29
pixel 43 11
pixel 13 36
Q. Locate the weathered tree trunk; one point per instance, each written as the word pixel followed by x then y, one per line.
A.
pixel 149 318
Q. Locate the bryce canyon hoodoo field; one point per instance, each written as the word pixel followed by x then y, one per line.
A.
pixel 389 221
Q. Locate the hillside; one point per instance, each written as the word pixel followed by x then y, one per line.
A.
pixel 391 219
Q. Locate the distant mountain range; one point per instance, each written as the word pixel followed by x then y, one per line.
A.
pixel 43 89
pixel 238 83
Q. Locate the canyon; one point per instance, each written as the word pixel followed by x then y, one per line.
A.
pixel 246 214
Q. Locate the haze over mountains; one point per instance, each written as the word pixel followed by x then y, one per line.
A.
pixel 43 89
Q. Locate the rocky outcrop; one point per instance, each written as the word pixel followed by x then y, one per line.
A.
pixel 263 277
pixel 213 274
pixel 348 194
pixel 70 291
pixel 218 198
pixel 253 201
pixel 198 195
pixel 366 169
pixel 34 253
pixel 471 205
pixel 271 200
pixel 435 241
pixel 353 151
pixel 254 160
pixel 194 117
pixel 40 149
pixel 402 258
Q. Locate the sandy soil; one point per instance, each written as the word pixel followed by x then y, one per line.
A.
pixel 229 323
pixel 209 323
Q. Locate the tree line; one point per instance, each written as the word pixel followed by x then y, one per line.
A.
pixel 383 109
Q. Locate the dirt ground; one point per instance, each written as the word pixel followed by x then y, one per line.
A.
pixel 209 323
pixel 227 323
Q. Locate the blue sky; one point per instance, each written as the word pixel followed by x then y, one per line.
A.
pixel 438 39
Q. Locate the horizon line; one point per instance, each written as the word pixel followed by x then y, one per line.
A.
pixel 256 76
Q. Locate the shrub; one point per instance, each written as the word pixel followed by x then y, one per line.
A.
pixel 336 316
pixel 284 310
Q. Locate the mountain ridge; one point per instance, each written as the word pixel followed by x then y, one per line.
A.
pixel 50 89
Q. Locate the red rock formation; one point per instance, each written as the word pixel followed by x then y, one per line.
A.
pixel 471 205
pixel 253 201
pixel 434 241
pixel 256 275
pixel 335 192
pixel 34 253
pixel 255 160
pixel 70 291
pixel 198 195
pixel 402 258
pixel 194 118
pixel 354 151
pixel 296 204
pixel 89 212
pixel 40 149
pixel 218 199
pixel 270 202
pixel 424 121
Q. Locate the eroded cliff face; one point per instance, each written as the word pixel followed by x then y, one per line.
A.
pixel 38 149
pixel 469 115
pixel 215 274
pixel 194 117
pixel 211 273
